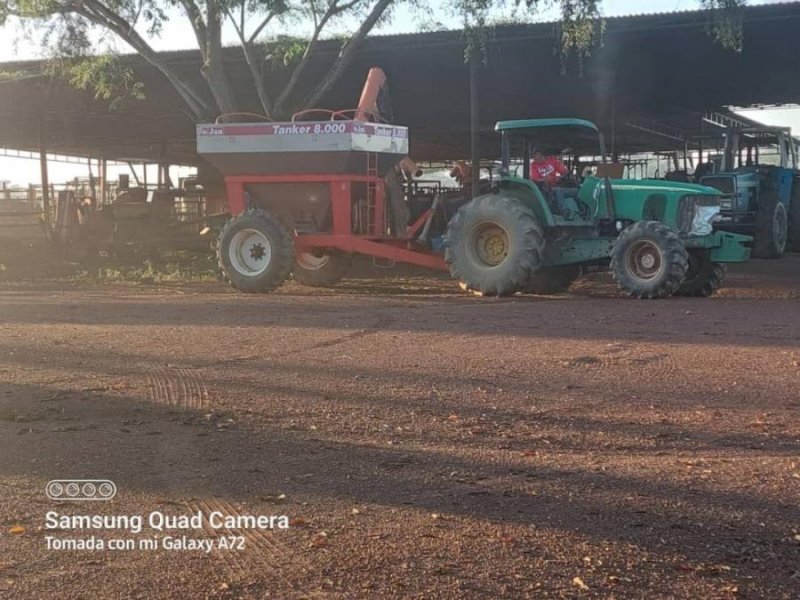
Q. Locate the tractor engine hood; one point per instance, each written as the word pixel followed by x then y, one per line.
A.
pixel 665 186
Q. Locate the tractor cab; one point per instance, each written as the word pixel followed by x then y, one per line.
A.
pixel 535 148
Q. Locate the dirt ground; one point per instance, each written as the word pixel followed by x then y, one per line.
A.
pixel 424 444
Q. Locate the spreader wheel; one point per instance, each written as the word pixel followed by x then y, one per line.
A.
pixel 493 244
pixel 255 252
pixel 649 260
pixel 321 269
pixel 703 277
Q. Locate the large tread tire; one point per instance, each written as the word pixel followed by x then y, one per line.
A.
pixel 552 280
pixel 772 227
pixel 794 217
pixel 703 277
pixel 649 260
pixel 254 232
pixel 469 228
pixel 322 271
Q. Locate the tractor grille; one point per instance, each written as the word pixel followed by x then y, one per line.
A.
pixel 726 203
pixel 689 208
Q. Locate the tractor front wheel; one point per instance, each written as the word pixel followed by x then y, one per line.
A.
pixel 316 269
pixel 772 227
pixel 703 277
pixel 649 260
pixel 493 244
pixel 255 252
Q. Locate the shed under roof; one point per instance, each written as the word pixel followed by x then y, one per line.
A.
pixel 647 87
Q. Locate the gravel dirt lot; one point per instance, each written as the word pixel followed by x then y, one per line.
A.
pixel 425 444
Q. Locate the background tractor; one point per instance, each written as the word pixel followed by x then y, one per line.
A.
pixel 760 179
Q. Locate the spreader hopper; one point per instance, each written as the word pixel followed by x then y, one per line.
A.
pixel 303 147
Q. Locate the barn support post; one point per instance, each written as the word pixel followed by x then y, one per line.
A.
pixel 103 181
pixel 474 108
pixel 92 182
pixel 43 170
pixel 614 155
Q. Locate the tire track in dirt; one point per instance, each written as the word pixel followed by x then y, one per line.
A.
pixel 262 549
pixel 232 563
pixel 380 323
pixel 175 386
pixel 268 548
pixel 629 359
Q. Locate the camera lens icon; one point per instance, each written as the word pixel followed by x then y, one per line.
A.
pixel 55 489
pixel 107 490
pixel 81 489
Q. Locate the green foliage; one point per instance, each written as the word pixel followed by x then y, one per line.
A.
pixel 9 75
pixel 582 26
pixel 580 30
pixel 198 270
pixel 285 50
pixel 70 30
pixel 106 75
pixel 475 16
pixel 725 24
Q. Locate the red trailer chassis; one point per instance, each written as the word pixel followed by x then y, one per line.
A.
pixel 376 242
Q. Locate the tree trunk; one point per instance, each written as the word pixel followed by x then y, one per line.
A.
pixel 347 54
pixel 214 66
pixel 258 79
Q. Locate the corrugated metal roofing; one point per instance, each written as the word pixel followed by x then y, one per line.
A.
pixel 660 67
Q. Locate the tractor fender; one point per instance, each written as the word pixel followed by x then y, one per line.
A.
pixel 527 193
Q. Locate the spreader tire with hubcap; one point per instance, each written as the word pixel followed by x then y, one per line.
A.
pixel 493 244
pixel 552 280
pixel 649 260
pixel 256 252
pixel 772 227
pixel 320 269
pixel 703 277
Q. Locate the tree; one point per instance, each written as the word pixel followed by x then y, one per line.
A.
pixel 67 27
pixel 70 30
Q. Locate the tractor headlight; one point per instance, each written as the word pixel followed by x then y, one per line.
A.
pixel 697 214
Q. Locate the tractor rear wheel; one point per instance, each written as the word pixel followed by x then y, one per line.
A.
pixel 320 269
pixel 649 260
pixel 551 280
pixel 772 227
pixel 703 277
pixel 794 217
pixel 255 252
pixel 493 244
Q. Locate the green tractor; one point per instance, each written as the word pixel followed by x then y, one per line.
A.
pixel 659 238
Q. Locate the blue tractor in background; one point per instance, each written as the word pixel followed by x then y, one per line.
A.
pixel 760 179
